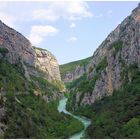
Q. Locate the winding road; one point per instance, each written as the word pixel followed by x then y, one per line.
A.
pixel 86 122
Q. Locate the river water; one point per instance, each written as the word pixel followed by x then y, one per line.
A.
pixel 86 122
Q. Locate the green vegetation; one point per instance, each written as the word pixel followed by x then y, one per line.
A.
pixel 76 82
pixel 28 116
pixel 90 69
pixel 81 86
pixel 3 51
pixel 10 78
pixel 59 85
pixel 117 46
pixel 116 116
pixel 87 85
pixel 71 66
pixel 102 64
pixel 44 86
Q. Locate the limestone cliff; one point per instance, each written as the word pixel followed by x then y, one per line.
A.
pixel 47 63
pixel 104 74
pixel 19 49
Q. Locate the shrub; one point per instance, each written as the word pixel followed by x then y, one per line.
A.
pixel 10 78
pixel 3 51
pixel 102 64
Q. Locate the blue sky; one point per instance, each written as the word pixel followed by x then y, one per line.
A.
pixel 70 30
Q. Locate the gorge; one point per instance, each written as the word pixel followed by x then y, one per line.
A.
pixel 97 97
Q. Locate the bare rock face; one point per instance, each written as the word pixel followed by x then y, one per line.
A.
pixel 121 48
pixel 47 63
pixel 19 49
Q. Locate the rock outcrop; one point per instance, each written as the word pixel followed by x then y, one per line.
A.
pixel 47 63
pixel 120 49
pixel 18 49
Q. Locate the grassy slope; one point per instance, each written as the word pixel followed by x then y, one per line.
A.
pixel 11 79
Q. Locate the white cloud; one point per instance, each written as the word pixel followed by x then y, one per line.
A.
pixel 8 19
pixel 72 25
pixel 72 39
pixel 65 10
pixel 39 32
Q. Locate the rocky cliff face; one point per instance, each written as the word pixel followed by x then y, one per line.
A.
pixel 47 63
pixel 18 46
pixel 19 49
pixel 119 50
